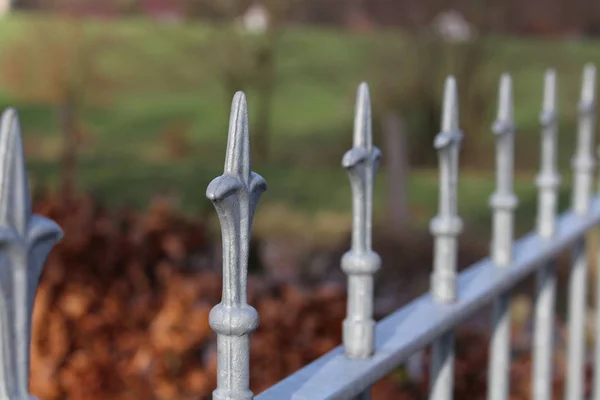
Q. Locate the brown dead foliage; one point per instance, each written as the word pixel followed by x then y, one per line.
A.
pixel 122 313
pixel 122 310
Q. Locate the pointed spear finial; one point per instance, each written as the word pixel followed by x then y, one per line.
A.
pixel 549 103
pixel 504 129
pixel 588 89
pixel 504 122
pixel 26 240
pixel 548 114
pixel 583 163
pixel 362 162
pixel 361 262
pixel 450 133
pixel 363 136
pixel 237 158
pixel 548 179
pixel 363 133
pixel 235 195
pixel 447 143
pixel 13 178
pixel 504 201
pixel 450 106
pixel 446 226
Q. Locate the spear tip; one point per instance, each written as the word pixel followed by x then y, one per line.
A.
pixel 15 202
pixel 237 159
pixel 588 85
pixel 362 119
pixel 549 103
pixel 450 106
pixel 504 120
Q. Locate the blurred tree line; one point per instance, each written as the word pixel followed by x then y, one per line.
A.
pixel 61 64
pixel 58 64
pixel 406 111
pixel 509 16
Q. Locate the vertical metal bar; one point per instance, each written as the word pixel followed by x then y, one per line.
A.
pixel 548 182
pixel 235 195
pixel 26 241
pixel 583 167
pixel 503 203
pixel 596 382
pixel 361 262
pixel 446 227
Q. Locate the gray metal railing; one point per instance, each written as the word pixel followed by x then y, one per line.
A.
pixel 370 350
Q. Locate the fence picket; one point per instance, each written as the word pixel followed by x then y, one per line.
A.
pixel 503 203
pixel 446 227
pixel 361 263
pixel 235 195
pixel 548 182
pixel 583 168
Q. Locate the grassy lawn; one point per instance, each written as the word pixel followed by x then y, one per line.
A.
pixel 310 202
pixel 165 78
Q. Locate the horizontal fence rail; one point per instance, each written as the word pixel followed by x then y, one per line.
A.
pixel 419 323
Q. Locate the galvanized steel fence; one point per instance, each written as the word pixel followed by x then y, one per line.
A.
pixel 370 350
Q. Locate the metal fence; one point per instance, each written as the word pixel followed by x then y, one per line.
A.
pixel 370 350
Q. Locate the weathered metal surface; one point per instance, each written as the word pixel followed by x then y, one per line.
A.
pixel 235 195
pixel 446 227
pixel 26 241
pixel 548 183
pixel 583 168
pixel 503 203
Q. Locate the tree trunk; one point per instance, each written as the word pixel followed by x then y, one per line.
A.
pixel 397 169
pixel 68 172
pixel 266 86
